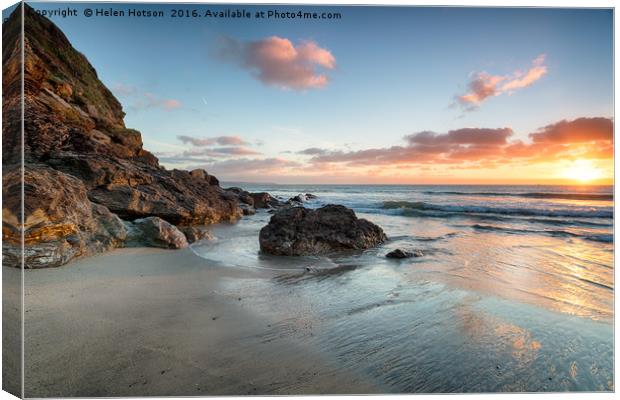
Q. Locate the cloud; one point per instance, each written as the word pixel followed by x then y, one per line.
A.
pixel 141 100
pixel 537 71
pixel 484 85
pixel 441 153
pixel 222 152
pixel 167 104
pixel 276 61
pixel 580 138
pixel 462 136
pixel 121 89
pixel 250 166
pixel 219 140
pixel 312 151
pixel 581 130
pixel 208 149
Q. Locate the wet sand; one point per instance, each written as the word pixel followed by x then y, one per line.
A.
pixel 153 322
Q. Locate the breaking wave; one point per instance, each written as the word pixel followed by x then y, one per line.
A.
pixel 533 195
pixel 516 211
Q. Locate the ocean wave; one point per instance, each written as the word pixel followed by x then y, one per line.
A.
pixel 503 218
pixel 532 195
pixel 518 211
pixel 604 238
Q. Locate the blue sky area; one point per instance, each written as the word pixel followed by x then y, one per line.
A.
pixel 360 82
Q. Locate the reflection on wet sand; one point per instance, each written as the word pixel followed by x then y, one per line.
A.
pixel 482 328
pixel 573 278
pixel 482 311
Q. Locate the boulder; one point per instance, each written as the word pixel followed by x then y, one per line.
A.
pixel 155 232
pixel 310 196
pixel 247 209
pixel 299 199
pixel 265 200
pixel 299 231
pixel 398 253
pixel 195 233
pixel 61 223
pixel 243 195
pixel 199 173
pixel 203 175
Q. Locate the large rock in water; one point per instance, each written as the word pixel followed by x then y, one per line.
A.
pixel 301 231
pixel 74 125
pixel 60 222
pixel 265 200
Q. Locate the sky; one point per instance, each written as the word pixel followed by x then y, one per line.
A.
pixel 380 95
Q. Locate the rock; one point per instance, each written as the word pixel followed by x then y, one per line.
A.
pixel 310 196
pixel 301 231
pixel 247 209
pixel 155 232
pixel 74 125
pixel 300 198
pixel 243 195
pixel 204 176
pixel 199 173
pixel 398 253
pixel 195 233
pixel 134 191
pixel 61 223
pixel 264 200
pixel 213 180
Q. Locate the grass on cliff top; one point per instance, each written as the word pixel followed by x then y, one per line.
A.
pixel 64 63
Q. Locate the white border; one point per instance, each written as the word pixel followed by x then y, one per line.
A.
pixel 474 3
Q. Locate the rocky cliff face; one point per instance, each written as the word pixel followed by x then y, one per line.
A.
pixel 75 136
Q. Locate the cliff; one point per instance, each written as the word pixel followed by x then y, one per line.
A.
pixel 86 174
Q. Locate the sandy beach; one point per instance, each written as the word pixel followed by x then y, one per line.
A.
pixel 223 318
pixel 154 322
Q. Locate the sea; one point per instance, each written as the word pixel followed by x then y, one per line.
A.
pixel 514 291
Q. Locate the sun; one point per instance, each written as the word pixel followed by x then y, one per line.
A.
pixel 582 171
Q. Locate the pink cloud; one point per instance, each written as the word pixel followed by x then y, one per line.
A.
pixel 582 137
pixel 170 104
pixel 143 100
pixel 276 61
pixel 581 130
pixel 484 85
pixel 481 87
pixel 208 141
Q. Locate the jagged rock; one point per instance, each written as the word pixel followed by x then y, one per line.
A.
pixel 247 209
pixel 74 124
pixel 61 223
pixel 299 199
pixel 243 195
pixel 199 173
pixel 301 231
pixel 398 253
pixel 310 196
pixel 195 233
pixel 155 232
pixel 204 176
pixel 265 200
pixel 213 181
